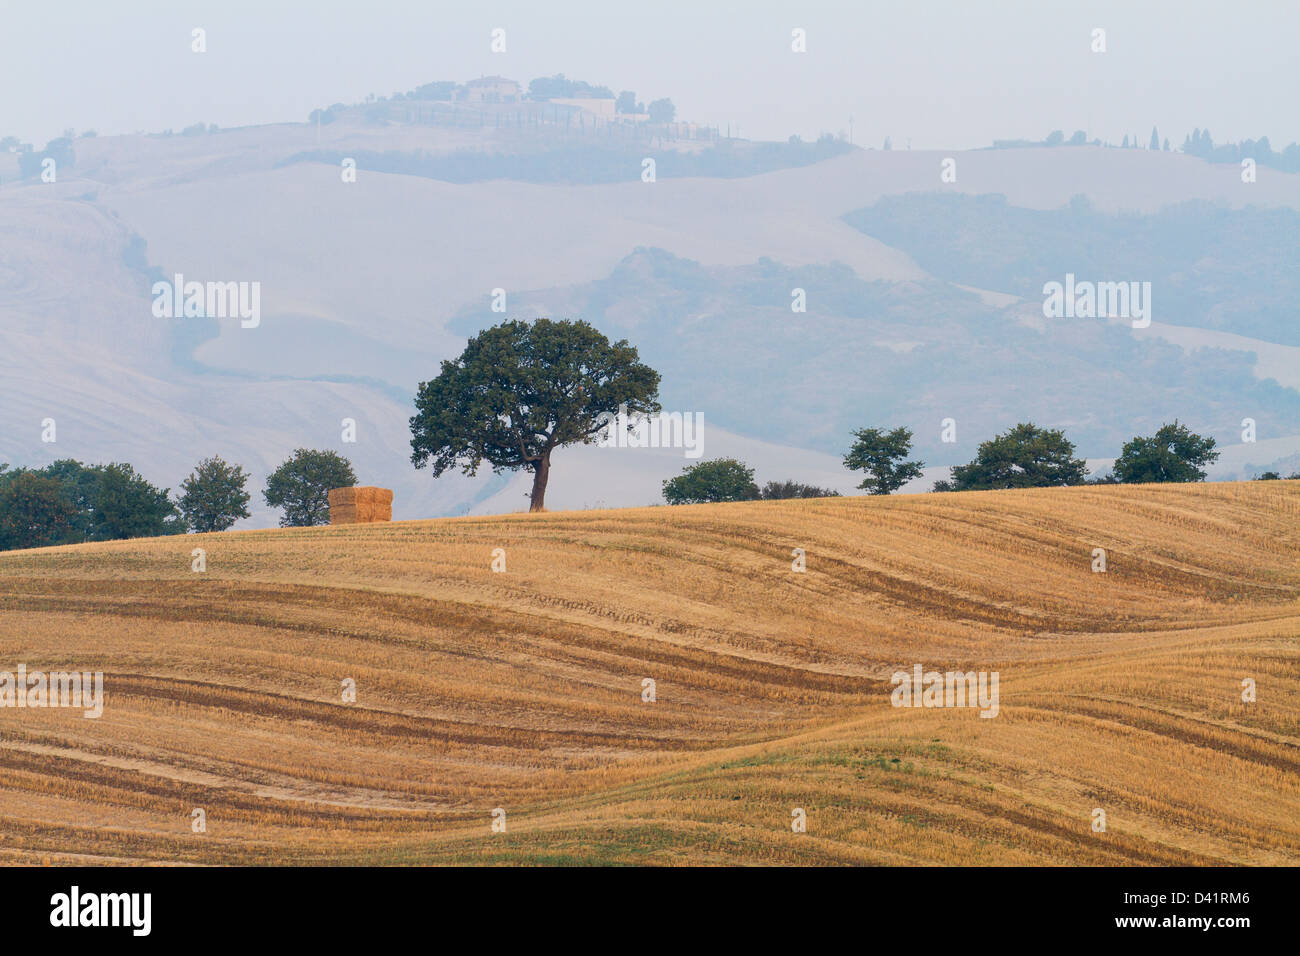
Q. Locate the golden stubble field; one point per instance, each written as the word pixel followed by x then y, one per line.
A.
pixel 522 690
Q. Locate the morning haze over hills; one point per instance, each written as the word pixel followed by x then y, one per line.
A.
pixel 968 537
pixel 923 290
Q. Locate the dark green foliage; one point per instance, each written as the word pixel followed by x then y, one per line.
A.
pixel 301 486
pixel 1173 454
pixel 722 479
pixel 213 496
pixel 779 490
pixel 34 512
pixel 80 484
pixel 128 506
pixel 104 503
pixel 882 455
pixel 520 390
pixel 1024 457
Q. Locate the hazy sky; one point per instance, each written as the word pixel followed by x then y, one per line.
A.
pixel 948 73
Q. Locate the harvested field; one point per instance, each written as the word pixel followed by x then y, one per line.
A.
pixel 522 690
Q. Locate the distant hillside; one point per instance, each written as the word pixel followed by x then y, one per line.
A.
pixel 523 690
pixel 588 163
pixel 912 353
pixel 367 286
pixel 1210 265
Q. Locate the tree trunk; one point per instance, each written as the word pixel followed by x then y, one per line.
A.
pixel 542 472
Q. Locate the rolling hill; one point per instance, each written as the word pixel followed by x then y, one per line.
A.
pixel 522 690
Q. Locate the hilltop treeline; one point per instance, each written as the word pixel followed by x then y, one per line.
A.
pixel 586 164
pixel 562 381
pixel 68 502
pixel 1025 456
pixel 1201 143
pixel 1196 143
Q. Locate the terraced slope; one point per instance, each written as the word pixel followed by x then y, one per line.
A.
pixel 522 690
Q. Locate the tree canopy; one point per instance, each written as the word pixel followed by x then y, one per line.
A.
pixel 94 503
pixel 128 506
pixel 1026 456
pixel 780 490
pixel 722 479
pixel 213 496
pixel 1174 453
pixel 301 486
pixel 881 455
pixel 522 389
pixel 34 512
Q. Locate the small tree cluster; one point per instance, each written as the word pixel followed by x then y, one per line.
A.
pixel 1027 456
pixel 68 502
pixel 301 486
pixel 727 479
